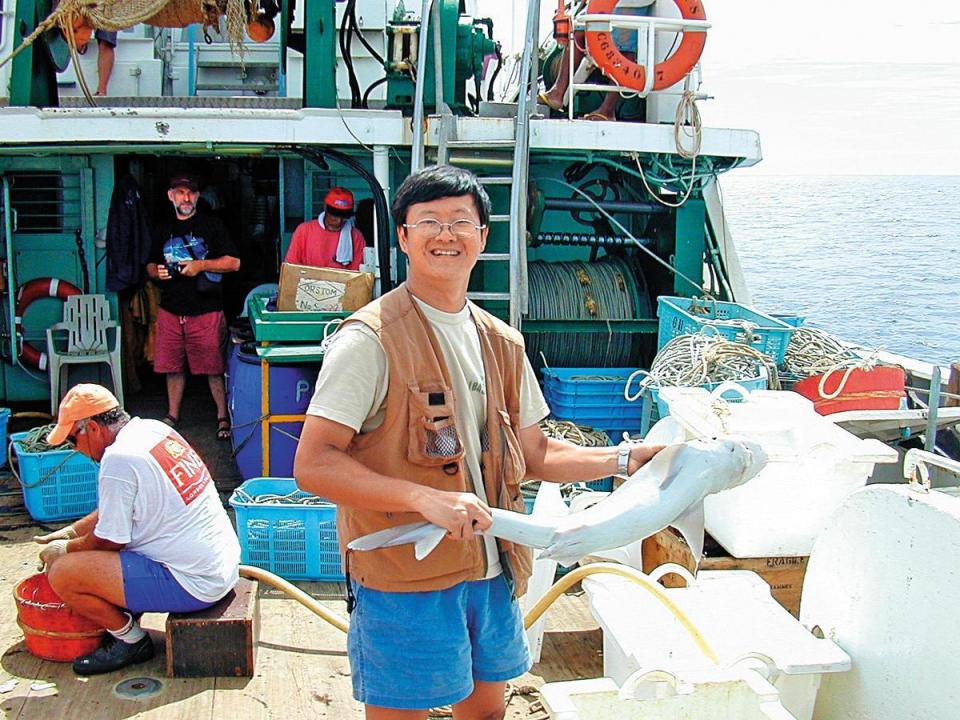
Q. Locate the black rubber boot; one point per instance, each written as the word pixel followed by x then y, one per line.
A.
pixel 114 654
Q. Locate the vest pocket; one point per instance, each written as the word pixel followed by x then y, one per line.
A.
pixel 512 465
pixel 433 439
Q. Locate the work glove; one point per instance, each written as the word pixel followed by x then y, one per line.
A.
pixel 53 550
pixel 67 533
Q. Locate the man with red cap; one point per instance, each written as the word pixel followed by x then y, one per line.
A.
pixel 159 540
pixel 332 240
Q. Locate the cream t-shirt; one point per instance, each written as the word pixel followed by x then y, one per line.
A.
pixel 352 388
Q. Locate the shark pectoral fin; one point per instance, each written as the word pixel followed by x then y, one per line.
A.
pixel 389 537
pixel 426 544
pixel 690 525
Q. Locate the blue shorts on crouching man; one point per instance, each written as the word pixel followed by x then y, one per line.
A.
pixel 418 650
pixel 149 586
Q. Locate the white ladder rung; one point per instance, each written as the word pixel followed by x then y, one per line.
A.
pixel 488 295
pixel 501 257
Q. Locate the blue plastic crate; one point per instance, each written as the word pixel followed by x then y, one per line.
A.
pixel 684 316
pixel 591 396
pixel 57 484
pixel 296 542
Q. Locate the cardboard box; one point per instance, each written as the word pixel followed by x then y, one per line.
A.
pixel 784 575
pixel 303 287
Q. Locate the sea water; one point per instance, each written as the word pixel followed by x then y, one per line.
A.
pixel 872 259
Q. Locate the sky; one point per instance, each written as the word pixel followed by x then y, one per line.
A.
pixel 841 87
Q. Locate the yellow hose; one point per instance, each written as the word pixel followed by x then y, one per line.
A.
pixel 536 611
pixel 574 576
pixel 296 593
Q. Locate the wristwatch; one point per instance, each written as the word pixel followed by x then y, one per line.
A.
pixel 623 458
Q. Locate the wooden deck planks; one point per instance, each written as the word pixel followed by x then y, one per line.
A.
pixel 302 670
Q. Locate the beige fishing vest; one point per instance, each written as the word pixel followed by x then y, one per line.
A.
pixel 418 441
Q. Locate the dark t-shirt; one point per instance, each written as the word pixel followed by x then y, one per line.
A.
pixel 202 237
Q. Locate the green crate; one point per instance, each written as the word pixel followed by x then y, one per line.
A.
pixel 289 326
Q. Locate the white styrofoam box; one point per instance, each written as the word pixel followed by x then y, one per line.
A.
pixel 549 502
pixel 735 615
pixel 814 465
pixel 735 694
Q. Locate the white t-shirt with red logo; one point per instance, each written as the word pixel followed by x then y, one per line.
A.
pixel 156 497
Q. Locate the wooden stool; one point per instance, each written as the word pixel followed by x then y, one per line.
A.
pixel 219 641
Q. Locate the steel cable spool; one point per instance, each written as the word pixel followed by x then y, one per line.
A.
pixel 609 289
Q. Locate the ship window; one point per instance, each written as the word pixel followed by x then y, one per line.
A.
pixel 46 202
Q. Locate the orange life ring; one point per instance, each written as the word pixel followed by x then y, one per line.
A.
pixel 627 73
pixel 34 290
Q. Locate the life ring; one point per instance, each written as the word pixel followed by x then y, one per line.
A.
pixel 34 290
pixel 627 73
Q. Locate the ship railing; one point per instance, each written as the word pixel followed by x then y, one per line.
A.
pixel 595 22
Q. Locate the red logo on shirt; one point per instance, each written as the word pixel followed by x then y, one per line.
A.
pixel 183 466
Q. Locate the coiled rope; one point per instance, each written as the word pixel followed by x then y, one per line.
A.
pixel 812 351
pixel 570 432
pixel 294 497
pixel 698 359
pixel 35 442
pixel 609 289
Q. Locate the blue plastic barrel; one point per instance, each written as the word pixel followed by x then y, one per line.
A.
pixel 290 390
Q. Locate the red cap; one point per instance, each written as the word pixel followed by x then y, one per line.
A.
pixel 340 201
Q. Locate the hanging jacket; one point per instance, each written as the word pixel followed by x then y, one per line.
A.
pixel 128 236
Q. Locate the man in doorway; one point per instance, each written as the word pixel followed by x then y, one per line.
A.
pixel 159 540
pixel 189 257
pixel 426 407
pixel 332 240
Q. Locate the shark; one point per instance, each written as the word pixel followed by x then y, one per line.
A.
pixel 666 491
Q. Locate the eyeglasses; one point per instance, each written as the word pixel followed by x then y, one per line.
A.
pixel 460 229
pixel 81 427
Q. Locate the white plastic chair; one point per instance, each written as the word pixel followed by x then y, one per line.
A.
pixel 86 322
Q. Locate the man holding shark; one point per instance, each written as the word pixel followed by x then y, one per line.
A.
pixel 426 409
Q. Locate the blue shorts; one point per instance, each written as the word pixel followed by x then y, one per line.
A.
pixel 149 586
pixel 418 650
pixel 626 39
pixel 107 36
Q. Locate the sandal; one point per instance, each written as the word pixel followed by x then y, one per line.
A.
pixel 223 428
pixel 544 99
pixel 596 117
pixel 171 421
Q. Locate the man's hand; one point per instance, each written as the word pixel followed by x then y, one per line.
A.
pixel 50 553
pixel 640 455
pixel 460 514
pixel 67 533
pixel 191 268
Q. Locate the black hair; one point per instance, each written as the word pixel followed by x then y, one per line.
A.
pixel 437 182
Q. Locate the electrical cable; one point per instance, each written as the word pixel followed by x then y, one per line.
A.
pixel 373 86
pixel 618 225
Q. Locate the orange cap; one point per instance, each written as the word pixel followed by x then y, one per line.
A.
pixel 81 401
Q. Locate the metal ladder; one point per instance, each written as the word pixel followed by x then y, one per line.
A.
pixel 488 158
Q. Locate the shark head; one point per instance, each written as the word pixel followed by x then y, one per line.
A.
pixel 741 459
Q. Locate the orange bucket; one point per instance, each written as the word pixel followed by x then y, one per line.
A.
pixel 51 630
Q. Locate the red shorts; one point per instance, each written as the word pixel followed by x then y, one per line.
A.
pixel 199 341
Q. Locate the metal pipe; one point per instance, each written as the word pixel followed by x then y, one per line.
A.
pixel 381 171
pixel 609 206
pixel 417 152
pixel 933 409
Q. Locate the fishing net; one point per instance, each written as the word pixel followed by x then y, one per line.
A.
pixel 113 15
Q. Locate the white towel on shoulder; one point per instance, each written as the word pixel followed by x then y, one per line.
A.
pixel 344 254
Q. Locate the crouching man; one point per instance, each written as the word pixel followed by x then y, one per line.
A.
pixel 159 540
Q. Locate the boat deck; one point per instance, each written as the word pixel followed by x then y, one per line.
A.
pixel 301 670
